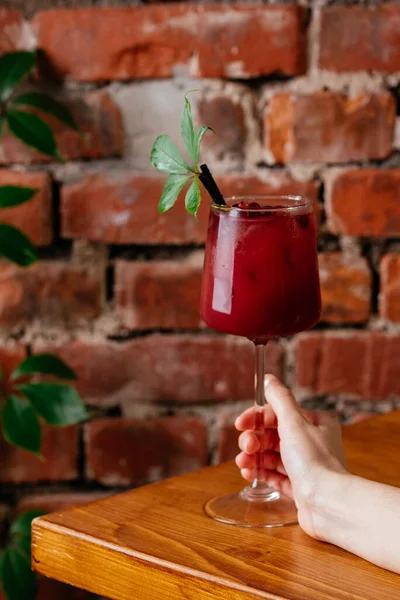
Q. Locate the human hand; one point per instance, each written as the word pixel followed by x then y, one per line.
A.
pixel 301 449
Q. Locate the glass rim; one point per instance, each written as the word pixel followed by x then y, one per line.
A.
pixel 296 202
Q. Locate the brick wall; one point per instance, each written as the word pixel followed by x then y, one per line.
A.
pixel 304 100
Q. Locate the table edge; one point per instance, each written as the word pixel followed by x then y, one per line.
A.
pixel 41 524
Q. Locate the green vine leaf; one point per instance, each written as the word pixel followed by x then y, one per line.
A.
pixel 172 188
pixel 16 247
pixel 20 425
pixel 33 132
pixel 14 195
pixel 14 66
pixel 56 403
pixel 48 105
pixel 43 364
pixel 18 579
pixel 21 526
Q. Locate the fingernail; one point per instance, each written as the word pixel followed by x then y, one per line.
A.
pixel 267 380
pixel 247 447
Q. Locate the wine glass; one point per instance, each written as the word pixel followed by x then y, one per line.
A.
pixel 260 281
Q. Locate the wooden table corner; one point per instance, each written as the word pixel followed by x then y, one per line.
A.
pixel 155 542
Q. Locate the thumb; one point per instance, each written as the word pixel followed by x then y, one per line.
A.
pixel 282 401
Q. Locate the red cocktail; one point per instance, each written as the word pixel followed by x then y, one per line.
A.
pixel 260 281
pixel 260 275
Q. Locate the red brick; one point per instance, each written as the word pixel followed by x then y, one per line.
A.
pixel 360 363
pixel 308 355
pixel 251 41
pixel 34 218
pixel 100 133
pixel 128 451
pixel 125 212
pixel 58 501
pixel 389 299
pixel 227 117
pixel 208 368
pixel 329 127
pixel 159 294
pixel 227 447
pixel 143 42
pixel 364 202
pixel 10 357
pixel 345 288
pixel 52 292
pixel 359 38
pixel 60 451
pixel 11 30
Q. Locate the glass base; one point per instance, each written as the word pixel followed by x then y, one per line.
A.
pixel 260 507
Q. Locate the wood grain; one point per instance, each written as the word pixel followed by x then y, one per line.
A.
pixel 155 543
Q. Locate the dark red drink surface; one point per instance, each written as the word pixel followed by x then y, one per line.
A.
pixel 260 277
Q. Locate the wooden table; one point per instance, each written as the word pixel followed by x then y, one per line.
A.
pixel 155 543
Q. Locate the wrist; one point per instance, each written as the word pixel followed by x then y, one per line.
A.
pixel 328 505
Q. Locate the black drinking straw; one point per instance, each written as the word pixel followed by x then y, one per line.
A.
pixel 209 183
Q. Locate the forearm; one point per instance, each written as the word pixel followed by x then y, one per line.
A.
pixel 362 517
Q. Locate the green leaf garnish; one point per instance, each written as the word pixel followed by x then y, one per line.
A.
pixel 32 131
pixel 187 131
pixel 20 425
pixel 15 246
pixel 48 105
pixel 192 200
pixel 172 188
pixel 166 157
pixel 199 136
pixel 14 195
pixel 56 403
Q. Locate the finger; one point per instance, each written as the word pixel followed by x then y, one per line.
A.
pixel 247 419
pixel 282 401
pixel 279 482
pixel 272 461
pixel 247 474
pixel 245 461
pixel 280 467
pixel 249 441
pixel 271 440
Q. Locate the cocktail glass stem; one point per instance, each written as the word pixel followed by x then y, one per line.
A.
pixel 259 403
pixel 259 490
